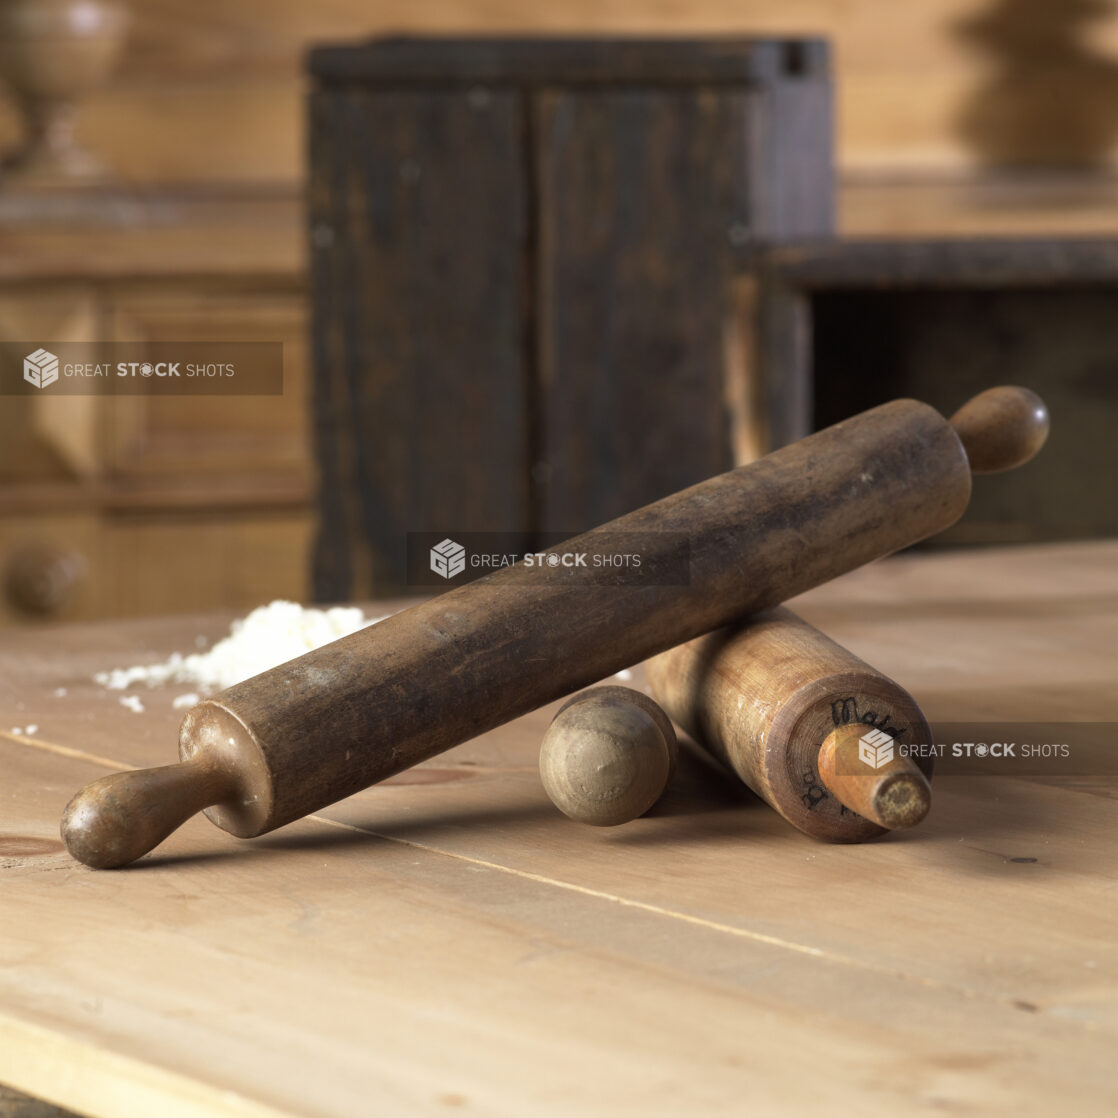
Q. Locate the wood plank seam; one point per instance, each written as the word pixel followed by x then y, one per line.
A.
pixel 626 902
pixel 64 751
pixel 674 914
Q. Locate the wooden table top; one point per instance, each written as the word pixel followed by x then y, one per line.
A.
pixel 448 942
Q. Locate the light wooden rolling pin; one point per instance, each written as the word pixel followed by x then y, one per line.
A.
pixel 785 708
pixel 321 727
pixel 607 756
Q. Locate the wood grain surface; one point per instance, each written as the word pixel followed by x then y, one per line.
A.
pixel 448 941
pixel 637 192
pixel 419 415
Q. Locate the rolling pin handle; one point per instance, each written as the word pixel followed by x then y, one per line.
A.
pixel 1001 428
pixel 892 795
pixel 607 756
pixel 122 817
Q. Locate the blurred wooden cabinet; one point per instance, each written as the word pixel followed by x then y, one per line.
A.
pixel 139 504
pixel 528 275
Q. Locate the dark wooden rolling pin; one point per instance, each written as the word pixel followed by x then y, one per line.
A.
pixel 323 726
pixel 784 707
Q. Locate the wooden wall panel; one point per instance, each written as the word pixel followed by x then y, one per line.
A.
pixel 210 90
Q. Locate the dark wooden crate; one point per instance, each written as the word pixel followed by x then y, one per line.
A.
pixel 524 263
pixel 857 323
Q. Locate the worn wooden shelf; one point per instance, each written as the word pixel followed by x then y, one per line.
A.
pixel 971 202
pixel 254 235
pixel 447 940
pixel 946 262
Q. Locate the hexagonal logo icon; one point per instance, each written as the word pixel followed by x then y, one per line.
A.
pixel 448 558
pixel 875 748
pixel 40 368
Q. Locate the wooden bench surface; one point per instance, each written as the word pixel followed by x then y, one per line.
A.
pixel 447 942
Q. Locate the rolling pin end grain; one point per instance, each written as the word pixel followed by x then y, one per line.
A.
pixel 901 801
pixel 607 756
pixel 894 794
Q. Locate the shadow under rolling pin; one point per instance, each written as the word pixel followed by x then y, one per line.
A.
pixel 303 735
pixel 784 707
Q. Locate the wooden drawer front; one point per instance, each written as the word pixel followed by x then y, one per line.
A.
pixel 203 437
pixel 79 567
pixel 198 561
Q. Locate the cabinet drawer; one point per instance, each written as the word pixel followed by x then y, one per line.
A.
pixel 202 437
pixel 83 567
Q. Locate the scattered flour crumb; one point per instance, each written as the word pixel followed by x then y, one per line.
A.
pixel 32 729
pixel 268 636
pixel 18 730
pixel 624 674
pixel 60 692
pixel 133 702
pixel 181 702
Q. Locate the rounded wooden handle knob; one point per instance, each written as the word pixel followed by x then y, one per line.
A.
pixel 122 817
pixel 862 770
pixel 1001 428
pixel 607 756
pixel 42 579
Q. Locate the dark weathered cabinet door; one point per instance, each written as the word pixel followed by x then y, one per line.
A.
pixel 527 265
pixel 642 197
pixel 418 228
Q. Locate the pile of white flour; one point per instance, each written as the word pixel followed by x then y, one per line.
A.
pixel 270 635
